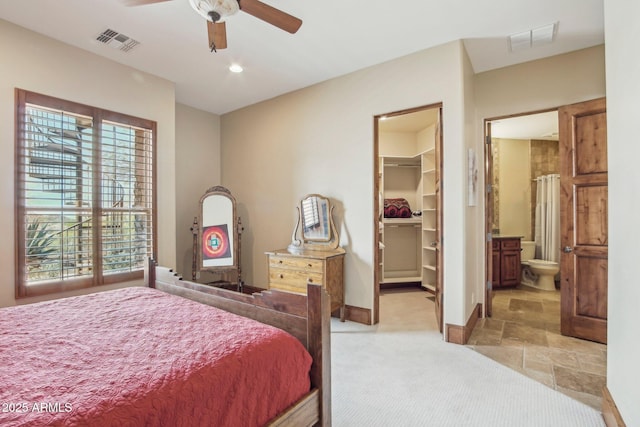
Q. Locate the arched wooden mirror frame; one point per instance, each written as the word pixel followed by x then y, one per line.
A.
pixel 216 233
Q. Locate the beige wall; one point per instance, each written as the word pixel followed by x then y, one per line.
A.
pixel 473 243
pixel 197 169
pixel 425 139
pixel 542 84
pixel 623 91
pixel 515 187
pixel 400 144
pixel 39 64
pixel 320 140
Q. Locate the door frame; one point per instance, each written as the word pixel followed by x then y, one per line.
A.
pixel 488 205
pixel 376 203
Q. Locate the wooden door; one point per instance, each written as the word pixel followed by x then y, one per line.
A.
pixel 583 217
pixel 439 291
pixel 495 265
pixel 491 278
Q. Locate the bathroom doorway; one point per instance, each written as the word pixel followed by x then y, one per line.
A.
pixel 582 244
pixel 522 153
pixel 533 330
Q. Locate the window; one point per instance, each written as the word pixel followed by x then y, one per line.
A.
pixel 311 218
pixel 85 196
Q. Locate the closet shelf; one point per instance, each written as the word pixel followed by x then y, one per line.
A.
pixel 402 221
pixel 402 161
pixel 401 279
pixel 429 287
pixel 430 267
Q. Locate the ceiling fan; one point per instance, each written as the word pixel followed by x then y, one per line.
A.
pixel 215 11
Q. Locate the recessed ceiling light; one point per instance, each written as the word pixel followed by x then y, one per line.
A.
pixel 235 68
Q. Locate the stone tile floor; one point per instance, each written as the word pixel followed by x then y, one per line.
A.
pixel 524 334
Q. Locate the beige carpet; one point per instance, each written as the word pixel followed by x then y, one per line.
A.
pixel 401 373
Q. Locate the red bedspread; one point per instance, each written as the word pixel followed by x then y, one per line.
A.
pixel 138 356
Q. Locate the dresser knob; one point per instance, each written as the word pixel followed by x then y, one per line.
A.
pixel 309 265
pixel 280 261
pixel 282 276
pixel 310 280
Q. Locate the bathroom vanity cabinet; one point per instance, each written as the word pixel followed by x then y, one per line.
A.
pixel 506 261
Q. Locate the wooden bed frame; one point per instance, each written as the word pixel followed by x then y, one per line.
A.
pixel 306 317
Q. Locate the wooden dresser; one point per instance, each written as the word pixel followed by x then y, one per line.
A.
pixel 290 271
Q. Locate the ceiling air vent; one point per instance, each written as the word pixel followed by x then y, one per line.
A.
pixel 117 40
pixel 533 38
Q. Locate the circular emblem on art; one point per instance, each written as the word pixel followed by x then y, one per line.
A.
pixel 215 242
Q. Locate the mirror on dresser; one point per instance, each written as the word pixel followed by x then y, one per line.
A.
pixel 314 254
pixel 314 229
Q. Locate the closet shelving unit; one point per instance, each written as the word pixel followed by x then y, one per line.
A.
pixel 403 238
pixel 429 214
pixel 407 169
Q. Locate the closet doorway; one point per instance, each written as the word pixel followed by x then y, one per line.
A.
pixel 408 203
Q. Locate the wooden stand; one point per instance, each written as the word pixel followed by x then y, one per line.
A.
pixel 216 241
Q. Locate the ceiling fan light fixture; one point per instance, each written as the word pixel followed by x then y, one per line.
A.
pixel 223 8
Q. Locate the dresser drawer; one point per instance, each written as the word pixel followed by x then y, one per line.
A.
pixel 292 280
pixel 293 263
pixel 510 244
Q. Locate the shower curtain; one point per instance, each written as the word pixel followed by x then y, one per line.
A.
pixel 547 218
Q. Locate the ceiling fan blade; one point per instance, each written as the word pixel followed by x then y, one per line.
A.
pixel 269 14
pixel 141 2
pixel 217 35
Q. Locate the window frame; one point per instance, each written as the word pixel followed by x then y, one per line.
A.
pixel 97 278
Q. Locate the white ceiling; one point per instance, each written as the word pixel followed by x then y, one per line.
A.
pixel 336 37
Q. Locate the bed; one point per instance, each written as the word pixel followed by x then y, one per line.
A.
pixel 157 356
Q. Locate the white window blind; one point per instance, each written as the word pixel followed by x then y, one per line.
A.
pixel 84 194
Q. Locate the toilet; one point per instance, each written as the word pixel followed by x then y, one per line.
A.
pixel 537 273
